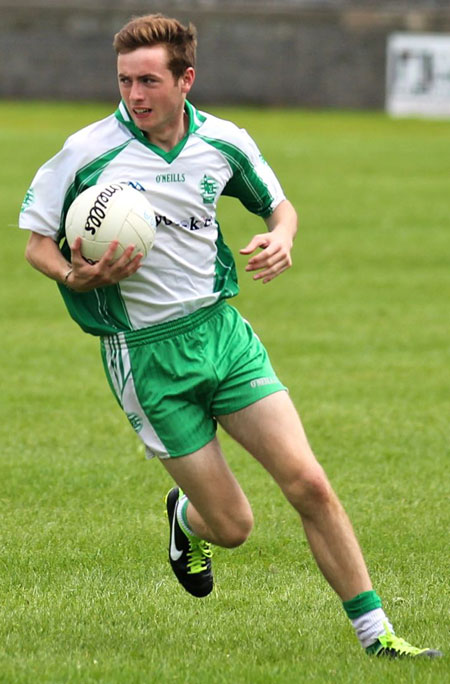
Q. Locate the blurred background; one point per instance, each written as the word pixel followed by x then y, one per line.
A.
pixel 307 53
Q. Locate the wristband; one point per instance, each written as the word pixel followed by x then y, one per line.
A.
pixel 66 278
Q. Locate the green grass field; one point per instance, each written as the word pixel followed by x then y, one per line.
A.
pixel 359 330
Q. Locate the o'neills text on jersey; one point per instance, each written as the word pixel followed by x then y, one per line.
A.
pixel 170 178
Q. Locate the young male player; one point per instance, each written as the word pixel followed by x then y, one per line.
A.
pixel 178 357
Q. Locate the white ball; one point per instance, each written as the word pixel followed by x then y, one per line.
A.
pixel 111 211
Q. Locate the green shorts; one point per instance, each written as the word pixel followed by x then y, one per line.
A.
pixel 174 378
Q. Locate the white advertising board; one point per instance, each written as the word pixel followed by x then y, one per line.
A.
pixel 418 74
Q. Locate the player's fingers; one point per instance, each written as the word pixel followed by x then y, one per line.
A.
pixel 270 274
pixel 128 262
pixel 132 265
pixel 119 262
pixel 108 257
pixel 76 246
pixel 75 249
pixel 266 253
pixel 260 241
pixel 270 257
pixel 273 269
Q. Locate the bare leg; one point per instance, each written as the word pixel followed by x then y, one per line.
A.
pixel 272 432
pixel 218 509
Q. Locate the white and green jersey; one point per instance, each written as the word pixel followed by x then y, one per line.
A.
pixel 190 265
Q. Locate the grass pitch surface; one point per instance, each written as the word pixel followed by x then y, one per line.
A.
pixel 358 329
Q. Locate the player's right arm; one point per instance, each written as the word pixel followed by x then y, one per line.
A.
pixel 44 205
pixel 43 253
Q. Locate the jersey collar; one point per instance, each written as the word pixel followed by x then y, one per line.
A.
pixel 195 121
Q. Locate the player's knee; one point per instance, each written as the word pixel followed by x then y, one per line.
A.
pixel 310 490
pixel 235 531
pixel 318 490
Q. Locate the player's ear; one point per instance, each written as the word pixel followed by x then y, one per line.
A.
pixel 187 80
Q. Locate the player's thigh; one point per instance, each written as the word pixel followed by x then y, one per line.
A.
pixel 207 480
pixel 271 430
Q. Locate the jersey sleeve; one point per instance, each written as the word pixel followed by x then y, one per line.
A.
pixel 85 154
pixel 43 203
pixel 253 182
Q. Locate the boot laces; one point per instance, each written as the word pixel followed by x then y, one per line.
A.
pixel 198 555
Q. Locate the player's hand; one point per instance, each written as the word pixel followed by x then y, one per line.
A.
pixel 274 257
pixel 85 276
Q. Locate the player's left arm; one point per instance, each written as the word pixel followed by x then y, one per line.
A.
pixel 275 245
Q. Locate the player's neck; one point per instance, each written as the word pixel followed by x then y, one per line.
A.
pixel 171 134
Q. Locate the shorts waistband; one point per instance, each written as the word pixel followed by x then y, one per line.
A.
pixel 162 331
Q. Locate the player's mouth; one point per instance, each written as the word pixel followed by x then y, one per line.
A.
pixel 141 112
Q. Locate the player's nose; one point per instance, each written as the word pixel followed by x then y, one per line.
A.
pixel 136 94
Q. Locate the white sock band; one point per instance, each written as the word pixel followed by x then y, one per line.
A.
pixel 182 519
pixel 370 626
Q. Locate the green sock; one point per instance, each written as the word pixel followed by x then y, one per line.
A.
pixel 361 604
pixel 368 619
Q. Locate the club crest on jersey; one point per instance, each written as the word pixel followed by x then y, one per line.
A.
pixel 27 200
pixel 136 421
pixel 208 189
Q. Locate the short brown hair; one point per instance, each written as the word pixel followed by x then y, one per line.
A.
pixel 156 29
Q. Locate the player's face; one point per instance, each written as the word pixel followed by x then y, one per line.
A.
pixel 154 98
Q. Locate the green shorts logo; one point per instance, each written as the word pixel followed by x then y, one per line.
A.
pixel 208 189
pixel 27 200
pixel 136 421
